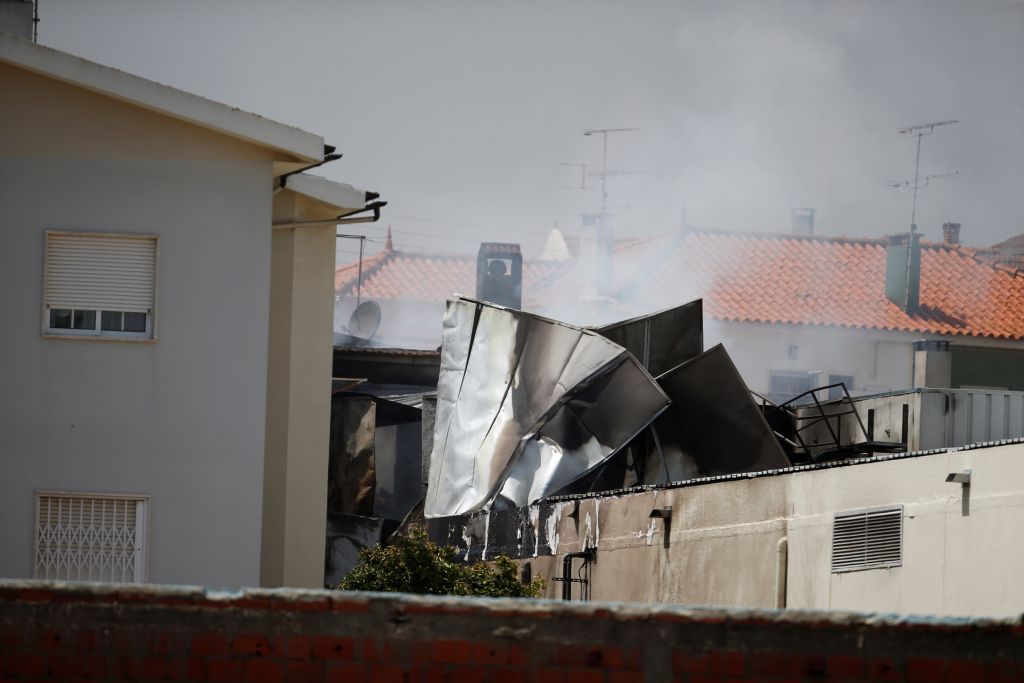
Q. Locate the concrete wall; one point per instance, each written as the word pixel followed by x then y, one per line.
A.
pixel 298 396
pixel 723 545
pixel 953 563
pixel 180 419
pixel 53 632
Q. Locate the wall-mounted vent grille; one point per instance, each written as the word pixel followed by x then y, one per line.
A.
pixel 867 539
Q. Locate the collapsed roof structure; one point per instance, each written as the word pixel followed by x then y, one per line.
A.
pixel 529 407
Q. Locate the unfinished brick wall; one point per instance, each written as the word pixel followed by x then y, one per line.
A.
pixel 61 632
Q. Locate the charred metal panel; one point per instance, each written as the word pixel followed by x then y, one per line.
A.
pixel 351 477
pixel 516 386
pixel 397 460
pixel 718 417
pixel 662 340
pixel 346 536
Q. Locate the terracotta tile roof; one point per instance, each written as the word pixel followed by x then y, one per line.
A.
pixel 794 279
pixel 424 276
pixel 835 281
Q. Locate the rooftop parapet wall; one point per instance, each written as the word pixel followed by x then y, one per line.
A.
pixel 51 631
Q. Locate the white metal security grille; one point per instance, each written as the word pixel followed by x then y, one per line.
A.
pixel 867 539
pixel 102 272
pixel 90 537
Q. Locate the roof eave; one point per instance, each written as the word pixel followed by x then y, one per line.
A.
pixel 160 98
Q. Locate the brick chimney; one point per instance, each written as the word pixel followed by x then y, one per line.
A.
pixel 499 274
pixel 903 271
pixel 951 233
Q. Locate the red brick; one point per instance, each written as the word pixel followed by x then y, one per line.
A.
pixel 263 671
pixel 293 647
pixel 92 666
pixel 771 664
pixel 584 676
pixel 605 658
pixel 468 674
pixel 347 607
pixel 34 595
pixel 225 670
pixel 87 640
pixel 843 666
pixel 625 677
pixel 386 673
pixel 550 676
pixel 378 650
pixel 685 662
pixel 195 669
pixel 728 663
pixel 883 669
pixel 62 666
pixel 346 673
pixel 965 672
pixel 451 651
pixel 304 672
pixel 158 668
pixel 433 673
pixel 26 664
pixel 125 668
pixel 505 675
pixel 250 645
pixel 925 670
pixel 499 654
pixel 50 640
pixel 166 643
pixel 10 641
pixel 329 647
pixel 1004 672
pixel 209 645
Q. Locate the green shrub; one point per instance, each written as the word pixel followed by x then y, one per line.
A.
pixel 417 565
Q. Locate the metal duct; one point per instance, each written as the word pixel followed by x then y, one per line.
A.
pixel 526 404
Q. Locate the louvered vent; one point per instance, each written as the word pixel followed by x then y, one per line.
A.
pixel 867 539
pixel 90 537
pixel 101 272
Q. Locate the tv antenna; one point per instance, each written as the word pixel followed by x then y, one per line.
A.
pixel 918 182
pixel 603 132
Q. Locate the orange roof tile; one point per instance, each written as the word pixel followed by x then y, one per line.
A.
pixel 836 281
pixel 794 279
pixel 422 276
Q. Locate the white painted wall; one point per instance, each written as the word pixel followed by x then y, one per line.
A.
pixel 725 536
pixel 180 420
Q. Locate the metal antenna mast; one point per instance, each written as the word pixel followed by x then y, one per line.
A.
pixel 603 132
pixel 920 131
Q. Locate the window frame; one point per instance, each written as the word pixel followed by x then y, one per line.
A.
pixel 97 333
pixel 143 528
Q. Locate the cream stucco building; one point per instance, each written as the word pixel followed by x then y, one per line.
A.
pixel 166 283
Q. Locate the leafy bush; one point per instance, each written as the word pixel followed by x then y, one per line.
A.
pixel 417 565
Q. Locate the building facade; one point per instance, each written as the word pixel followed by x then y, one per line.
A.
pixel 140 277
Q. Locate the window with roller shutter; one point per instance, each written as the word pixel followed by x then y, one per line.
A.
pixel 867 539
pixel 100 285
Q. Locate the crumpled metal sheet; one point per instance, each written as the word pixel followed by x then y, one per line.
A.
pixel 718 418
pixel 526 404
pixel 662 340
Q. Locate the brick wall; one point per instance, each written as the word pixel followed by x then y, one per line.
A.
pixel 59 631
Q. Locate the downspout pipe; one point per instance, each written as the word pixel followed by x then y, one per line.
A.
pixel 781 571
pixel 588 555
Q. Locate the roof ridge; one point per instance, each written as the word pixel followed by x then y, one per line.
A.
pixel 787 235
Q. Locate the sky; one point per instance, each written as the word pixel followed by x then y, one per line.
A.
pixel 462 114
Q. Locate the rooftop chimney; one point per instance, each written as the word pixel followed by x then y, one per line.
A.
pixel 951 233
pixel 802 218
pixel 903 271
pixel 17 17
pixel 499 274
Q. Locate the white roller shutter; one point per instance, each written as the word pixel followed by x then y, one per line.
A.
pixel 103 272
